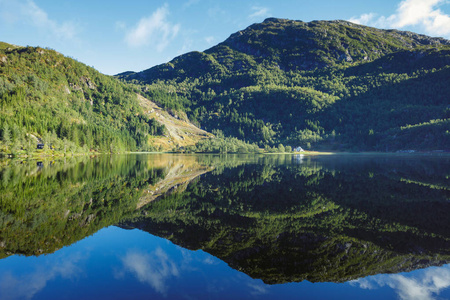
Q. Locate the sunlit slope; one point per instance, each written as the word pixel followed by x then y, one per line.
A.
pixel 329 84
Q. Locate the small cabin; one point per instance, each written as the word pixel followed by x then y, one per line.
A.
pixel 40 146
pixel 298 149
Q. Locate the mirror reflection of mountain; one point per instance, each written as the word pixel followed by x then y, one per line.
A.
pixel 323 219
pixel 280 218
pixel 47 205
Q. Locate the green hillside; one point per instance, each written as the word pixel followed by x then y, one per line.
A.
pixel 51 99
pixel 323 84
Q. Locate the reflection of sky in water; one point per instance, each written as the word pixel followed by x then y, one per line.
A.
pixel 25 285
pixel 130 264
pixel 154 268
pixel 423 285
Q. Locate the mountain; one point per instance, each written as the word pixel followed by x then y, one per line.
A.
pixel 328 84
pixel 55 100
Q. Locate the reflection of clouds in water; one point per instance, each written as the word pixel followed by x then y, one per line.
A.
pixel 209 261
pixel 155 268
pixel 257 288
pixel 424 287
pixel 27 285
pixel 158 269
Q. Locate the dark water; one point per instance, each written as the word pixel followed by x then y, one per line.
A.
pixel 221 227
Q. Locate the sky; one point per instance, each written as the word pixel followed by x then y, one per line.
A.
pixel 134 35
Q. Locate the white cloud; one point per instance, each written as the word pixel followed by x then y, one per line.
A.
pixel 209 261
pixel 29 13
pixel 257 288
pixel 363 19
pixel 154 269
pixel 155 30
pixel 190 3
pixel 427 286
pixel 422 13
pixel 209 39
pixel 28 285
pixel 259 12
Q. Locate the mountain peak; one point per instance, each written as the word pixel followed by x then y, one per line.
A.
pixel 304 83
pixel 276 20
pixel 319 44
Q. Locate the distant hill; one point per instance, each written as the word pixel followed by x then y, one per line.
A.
pixel 329 84
pixel 69 107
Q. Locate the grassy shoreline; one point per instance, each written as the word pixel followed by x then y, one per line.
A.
pixel 50 154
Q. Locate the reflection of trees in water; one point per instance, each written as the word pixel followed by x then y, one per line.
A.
pixel 274 217
pixel 45 207
pixel 318 220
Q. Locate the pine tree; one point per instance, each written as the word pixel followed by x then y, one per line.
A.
pixel 6 136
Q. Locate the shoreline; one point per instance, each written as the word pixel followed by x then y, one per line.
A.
pixel 47 156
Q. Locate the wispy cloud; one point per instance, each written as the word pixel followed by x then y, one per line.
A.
pixel 258 12
pixel 215 11
pixel 26 286
pixel 423 13
pixel 364 19
pixel 209 39
pixel 154 269
pixel 190 3
pixel 154 29
pixel 257 288
pixel 425 287
pixel 29 13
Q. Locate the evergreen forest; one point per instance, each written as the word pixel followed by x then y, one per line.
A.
pixel 320 85
pixel 47 98
pixel 275 86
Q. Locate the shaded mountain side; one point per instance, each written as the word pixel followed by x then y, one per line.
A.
pixel 328 84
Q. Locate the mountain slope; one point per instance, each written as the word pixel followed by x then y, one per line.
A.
pixel 179 132
pixel 70 107
pixel 325 83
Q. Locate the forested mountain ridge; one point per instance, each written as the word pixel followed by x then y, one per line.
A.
pixel 324 83
pixel 54 100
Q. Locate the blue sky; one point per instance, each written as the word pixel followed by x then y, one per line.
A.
pixel 117 36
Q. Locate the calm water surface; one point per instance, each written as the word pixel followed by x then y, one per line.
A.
pixel 220 227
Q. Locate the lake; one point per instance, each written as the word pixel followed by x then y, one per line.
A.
pixel 161 226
